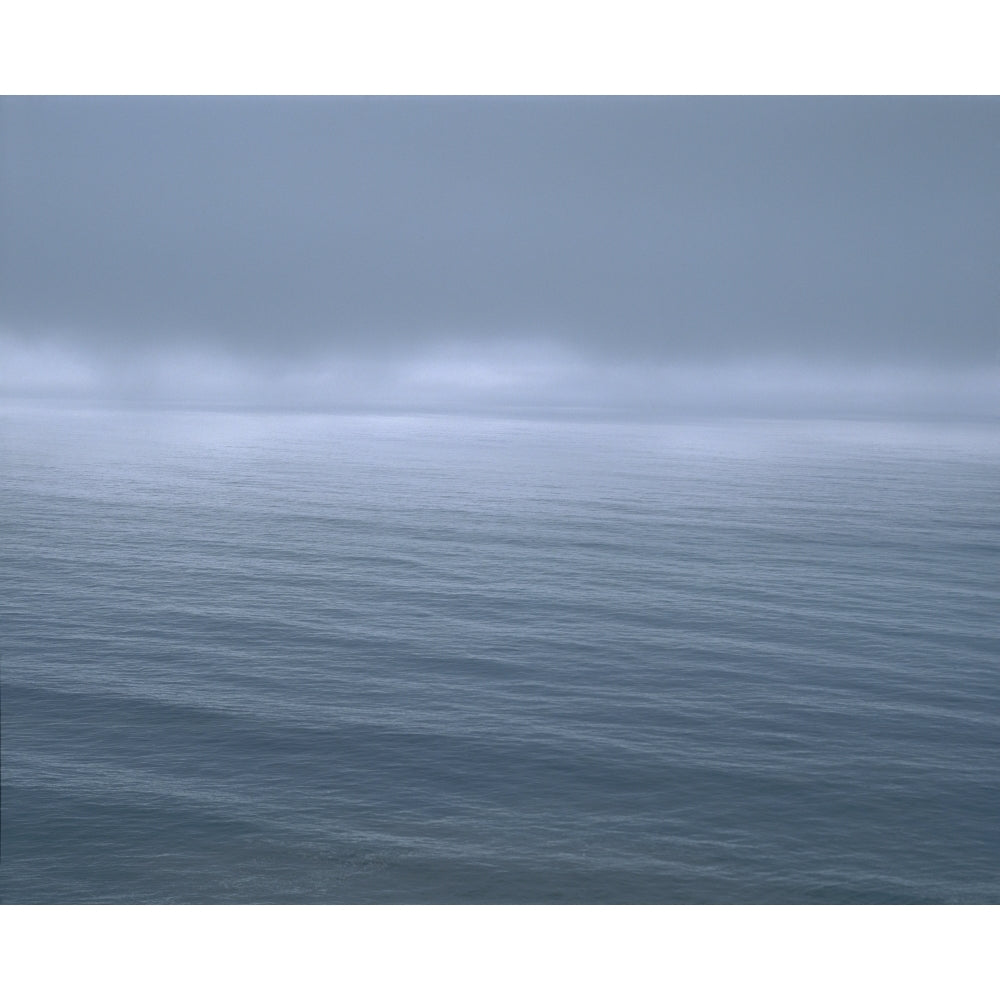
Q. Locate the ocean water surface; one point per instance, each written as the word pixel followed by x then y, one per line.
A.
pixel 314 658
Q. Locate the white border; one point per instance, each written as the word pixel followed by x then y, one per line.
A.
pixel 690 952
pixel 513 47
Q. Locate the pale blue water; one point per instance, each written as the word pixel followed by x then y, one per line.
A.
pixel 258 658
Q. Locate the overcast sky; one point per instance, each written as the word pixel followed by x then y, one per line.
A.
pixel 636 231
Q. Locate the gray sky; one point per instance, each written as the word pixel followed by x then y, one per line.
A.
pixel 634 231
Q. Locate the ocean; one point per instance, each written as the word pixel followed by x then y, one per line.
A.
pixel 261 657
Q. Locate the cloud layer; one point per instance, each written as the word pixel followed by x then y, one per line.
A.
pixel 526 375
pixel 560 251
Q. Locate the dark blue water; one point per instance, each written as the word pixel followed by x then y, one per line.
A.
pixel 256 658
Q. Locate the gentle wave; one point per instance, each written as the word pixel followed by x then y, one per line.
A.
pixel 281 658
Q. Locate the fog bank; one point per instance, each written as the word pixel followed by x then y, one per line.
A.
pixel 652 254
pixel 503 376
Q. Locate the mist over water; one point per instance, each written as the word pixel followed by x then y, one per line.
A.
pixel 514 377
pixel 434 501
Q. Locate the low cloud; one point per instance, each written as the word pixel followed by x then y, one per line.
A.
pixel 512 376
